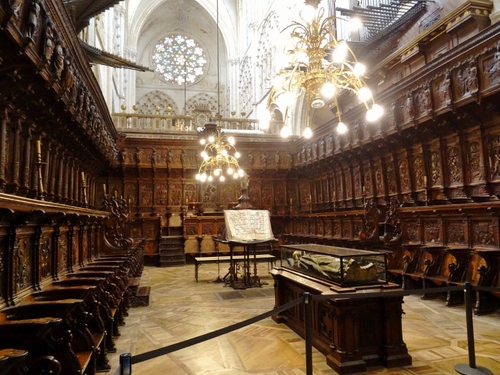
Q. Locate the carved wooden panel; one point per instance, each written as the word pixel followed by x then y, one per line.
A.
pixel 337 229
pixel 46 253
pixel 412 230
pixel 456 232
pixel 75 253
pixel 432 231
pixel 161 194
pixel 484 233
pixel 62 250
pixel 22 257
pixel 346 230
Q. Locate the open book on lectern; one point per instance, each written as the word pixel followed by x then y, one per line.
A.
pixel 248 225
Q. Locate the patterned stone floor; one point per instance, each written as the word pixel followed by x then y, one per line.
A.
pixel 181 308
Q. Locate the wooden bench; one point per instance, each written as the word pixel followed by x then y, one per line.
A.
pixel 260 258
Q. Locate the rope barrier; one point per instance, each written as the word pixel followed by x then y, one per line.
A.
pixel 126 359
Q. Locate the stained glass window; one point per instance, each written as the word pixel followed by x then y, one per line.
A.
pixel 179 59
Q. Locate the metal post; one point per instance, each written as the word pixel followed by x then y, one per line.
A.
pixel 125 364
pixel 471 368
pixel 308 326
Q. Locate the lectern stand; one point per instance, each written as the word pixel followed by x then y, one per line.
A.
pixel 246 228
pixel 249 261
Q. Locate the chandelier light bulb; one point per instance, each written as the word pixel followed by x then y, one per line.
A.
pixel 224 152
pixel 210 178
pixel 307 132
pixel 241 172
pixel 231 140
pixel 374 113
pixel 203 177
pixel 211 139
pixel 341 128
pixel 217 172
pixel 230 171
pixel 364 94
pixel 340 53
pixel 237 155
pixel 359 69
pixel 204 155
pixel 328 90
pixel 308 13
pixel 198 176
pixel 222 178
pixel 235 175
pixel 203 141
pixel 355 24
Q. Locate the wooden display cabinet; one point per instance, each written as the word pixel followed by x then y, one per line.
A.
pixel 352 333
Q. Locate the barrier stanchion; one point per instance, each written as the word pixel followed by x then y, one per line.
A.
pixel 308 328
pixel 125 364
pixel 471 368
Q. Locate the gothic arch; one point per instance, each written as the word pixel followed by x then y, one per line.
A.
pixel 152 100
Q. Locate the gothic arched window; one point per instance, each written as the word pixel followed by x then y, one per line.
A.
pixel 179 59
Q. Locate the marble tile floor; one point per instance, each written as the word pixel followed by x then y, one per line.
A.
pixel 181 308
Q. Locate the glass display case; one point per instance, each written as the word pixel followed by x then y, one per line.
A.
pixel 342 266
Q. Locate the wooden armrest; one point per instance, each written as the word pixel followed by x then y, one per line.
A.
pixel 25 332
pixel 88 273
pixel 61 293
pixel 41 309
pixel 79 281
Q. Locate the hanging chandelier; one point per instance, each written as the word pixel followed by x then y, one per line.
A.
pixel 219 156
pixel 322 68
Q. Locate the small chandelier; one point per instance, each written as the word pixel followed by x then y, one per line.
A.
pixel 321 68
pixel 220 157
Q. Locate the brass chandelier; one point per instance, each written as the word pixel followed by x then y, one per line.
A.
pixel 220 157
pixel 322 68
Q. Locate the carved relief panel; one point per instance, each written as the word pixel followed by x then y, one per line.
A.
pixel 465 81
pixel 337 232
pixel 280 193
pixel 21 260
pixel 161 195
pixel 328 227
pixel 490 63
pixel 494 157
pixel 432 231
pixel 456 233
pixel 45 253
pixel 131 193
pixel 412 230
pixel 254 193
pixel 391 176
pixel 379 179
pixel 442 91
pixel 146 194
pixel 267 194
pixel 62 250
pixel 357 182
pixel 484 233
pixel 228 194
pixel 367 185
pixel 403 171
